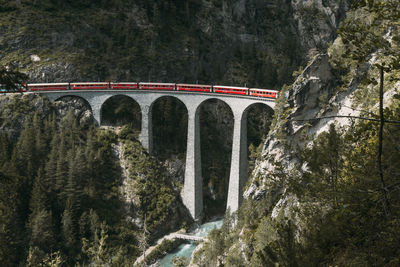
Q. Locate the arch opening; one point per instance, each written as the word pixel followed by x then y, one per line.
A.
pixel 259 118
pixel 216 133
pixel 120 110
pixel 170 125
pixel 81 107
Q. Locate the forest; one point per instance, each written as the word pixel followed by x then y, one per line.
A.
pixel 60 200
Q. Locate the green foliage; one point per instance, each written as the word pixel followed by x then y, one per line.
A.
pixel 368 37
pixel 60 181
pixel 161 250
pixel 97 250
pixel 36 257
pixel 149 184
pixel 179 261
pixel 11 80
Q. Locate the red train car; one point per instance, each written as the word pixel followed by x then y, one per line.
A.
pixel 125 86
pixel 157 86
pixel 90 86
pixel 231 90
pixel 47 86
pixel 263 93
pixel 194 87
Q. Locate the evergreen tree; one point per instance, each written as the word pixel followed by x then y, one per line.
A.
pixel 325 162
pixel 11 222
pixel 4 149
pixel 11 79
pixel 38 199
pixel 62 164
pixel 69 228
pixel 42 230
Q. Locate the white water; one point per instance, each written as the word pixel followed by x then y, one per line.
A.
pixel 186 249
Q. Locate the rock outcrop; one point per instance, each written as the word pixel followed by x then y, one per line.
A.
pixel 313 95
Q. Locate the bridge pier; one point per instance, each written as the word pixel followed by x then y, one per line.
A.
pixel 96 116
pixel 193 191
pixel 146 133
pixel 239 163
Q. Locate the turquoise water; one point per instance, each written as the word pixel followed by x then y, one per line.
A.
pixel 186 249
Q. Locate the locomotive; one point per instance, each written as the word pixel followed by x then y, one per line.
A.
pixel 218 89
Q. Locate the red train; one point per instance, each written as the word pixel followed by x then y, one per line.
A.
pixel 219 89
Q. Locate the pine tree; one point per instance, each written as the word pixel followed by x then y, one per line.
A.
pixel 4 149
pixel 40 142
pixel 12 80
pixel 97 251
pixel 62 165
pixel 51 163
pixel 38 199
pixel 42 230
pixel 69 227
pixel 11 222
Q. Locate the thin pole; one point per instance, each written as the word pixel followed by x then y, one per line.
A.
pixel 380 145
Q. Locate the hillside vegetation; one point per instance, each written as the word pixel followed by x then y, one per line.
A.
pixel 60 196
pixel 329 199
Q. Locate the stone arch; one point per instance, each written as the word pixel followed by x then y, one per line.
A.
pixel 216 130
pixel 257 118
pixel 124 106
pixel 170 123
pixel 261 109
pixel 82 107
pixel 71 97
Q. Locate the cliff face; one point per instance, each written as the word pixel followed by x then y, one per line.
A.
pixel 317 21
pixel 294 121
pixel 252 42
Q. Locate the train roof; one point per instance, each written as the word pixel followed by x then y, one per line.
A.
pixel 188 84
pixel 262 89
pixel 124 82
pixel 43 84
pixel 236 87
pixel 158 83
pixel 86 83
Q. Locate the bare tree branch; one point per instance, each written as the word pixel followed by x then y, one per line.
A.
pixel 350 117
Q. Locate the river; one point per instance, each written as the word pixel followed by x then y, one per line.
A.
pixel 186 249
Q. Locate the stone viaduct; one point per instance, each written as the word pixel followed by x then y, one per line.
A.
pixel 192 196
